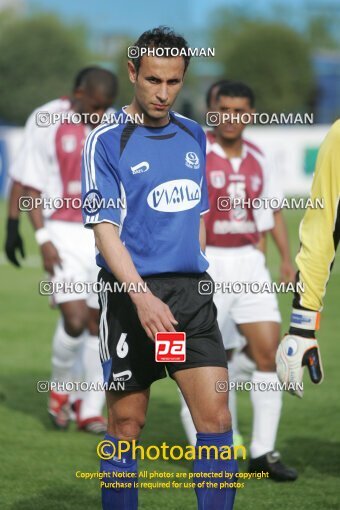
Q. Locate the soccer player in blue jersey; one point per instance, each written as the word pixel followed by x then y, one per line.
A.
pixel 158 169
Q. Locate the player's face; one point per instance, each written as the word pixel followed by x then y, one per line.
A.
pixel 94 102
pixel 157 84
pixel 235 107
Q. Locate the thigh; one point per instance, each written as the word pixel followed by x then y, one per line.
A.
pixel 196 314
pixel 127 354
pixel 205 392
pixel 263 339
pixel 93 321
pixel 75 315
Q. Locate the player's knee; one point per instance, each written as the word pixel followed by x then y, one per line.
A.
pixel 216 422
pixel 75 325
pixel 223 420
pixel 129 428
pixel 266 361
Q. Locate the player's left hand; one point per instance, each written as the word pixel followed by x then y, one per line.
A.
pixel 294 353
pixel 287 271
pixel 14 242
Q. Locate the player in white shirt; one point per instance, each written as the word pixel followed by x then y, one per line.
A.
pixel 240 364
pixel 238 169
pixel 49 167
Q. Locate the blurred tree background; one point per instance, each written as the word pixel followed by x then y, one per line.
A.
pixel 125 87
pixel 40 54
pixel 274 59
pixel 39 57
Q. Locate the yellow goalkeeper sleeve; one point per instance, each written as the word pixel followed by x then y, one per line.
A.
pixel 320 227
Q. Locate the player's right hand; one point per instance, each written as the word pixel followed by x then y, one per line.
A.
pixel 154 315
pixel 50 257
pixel 294 353
pixel 13 242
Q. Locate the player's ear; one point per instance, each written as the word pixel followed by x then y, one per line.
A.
pixel 132 72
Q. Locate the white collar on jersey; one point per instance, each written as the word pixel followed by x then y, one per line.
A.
pixel 218 150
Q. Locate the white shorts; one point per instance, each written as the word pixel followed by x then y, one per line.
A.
pixel 232 337
pixel 76 248
pixel 245 264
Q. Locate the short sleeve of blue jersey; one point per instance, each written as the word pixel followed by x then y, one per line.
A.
pixel 204 188
pixel 100 185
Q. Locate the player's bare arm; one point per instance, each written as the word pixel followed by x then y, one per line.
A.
pixel 49 252
pixel 262 244
pixel 13 204
pixel 153 314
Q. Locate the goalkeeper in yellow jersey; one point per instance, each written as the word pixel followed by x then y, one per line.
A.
pixel 319 237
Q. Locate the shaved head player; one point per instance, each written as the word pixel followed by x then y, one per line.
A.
pixel 49 166
pixel 158 238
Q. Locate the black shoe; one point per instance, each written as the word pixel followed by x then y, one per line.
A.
pixel 271 463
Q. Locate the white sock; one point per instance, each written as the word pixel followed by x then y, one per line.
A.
pixel 240 369
pixel 78 371
pixel 64 352
pixel 266 413
pixel 92 400
pixel 187 422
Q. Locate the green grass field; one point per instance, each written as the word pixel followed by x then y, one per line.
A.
pixel 38 464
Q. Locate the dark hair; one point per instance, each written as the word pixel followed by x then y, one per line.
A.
pixel 211 88
pixel 237 89
pixel 161 37
pixel 94 76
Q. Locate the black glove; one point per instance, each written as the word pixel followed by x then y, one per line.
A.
pixel 13 241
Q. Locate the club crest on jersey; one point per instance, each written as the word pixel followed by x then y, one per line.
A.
pixel 175 196
pixel 69 143
pixel 92 202
pixel 217 179
pixel 192 160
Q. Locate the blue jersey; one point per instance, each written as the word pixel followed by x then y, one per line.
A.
pixel 151 183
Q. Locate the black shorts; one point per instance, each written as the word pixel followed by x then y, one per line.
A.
pixel 126 352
